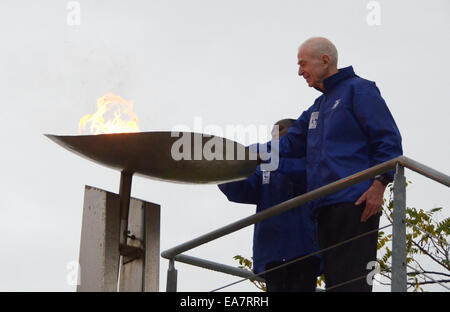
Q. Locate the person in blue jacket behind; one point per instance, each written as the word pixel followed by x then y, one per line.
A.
pixel 286 236
pixel 349 128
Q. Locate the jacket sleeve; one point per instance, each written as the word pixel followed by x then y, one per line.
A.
pixel 294 168
pixel 375 119
pixel 245 191
pixel 293 143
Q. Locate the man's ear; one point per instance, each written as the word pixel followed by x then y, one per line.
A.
pixel 325 60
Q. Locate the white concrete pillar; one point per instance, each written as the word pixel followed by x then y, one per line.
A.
pixel 99 246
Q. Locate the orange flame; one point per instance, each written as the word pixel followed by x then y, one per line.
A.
pixel 113 115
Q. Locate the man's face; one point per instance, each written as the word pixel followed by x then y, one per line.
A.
pixel 311 67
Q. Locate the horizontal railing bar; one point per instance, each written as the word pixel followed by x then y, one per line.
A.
pixel 219 267
pixel 284 206
pixel 310 196
pixel 175 252
pixel 425 170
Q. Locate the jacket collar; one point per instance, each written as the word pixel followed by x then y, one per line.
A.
pixel 343 74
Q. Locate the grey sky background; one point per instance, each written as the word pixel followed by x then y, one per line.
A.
pixel 228 62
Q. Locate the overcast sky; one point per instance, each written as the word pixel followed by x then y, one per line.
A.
pixel 227 62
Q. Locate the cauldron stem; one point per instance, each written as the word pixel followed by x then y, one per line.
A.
pixel 124 195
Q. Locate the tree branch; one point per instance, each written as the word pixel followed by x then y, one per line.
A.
pixel 437 273
pixel 429 255
pixel 431 282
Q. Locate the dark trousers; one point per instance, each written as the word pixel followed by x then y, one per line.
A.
pixel 337 223
pixel 300 276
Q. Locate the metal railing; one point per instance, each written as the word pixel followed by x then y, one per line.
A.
pixel 399 276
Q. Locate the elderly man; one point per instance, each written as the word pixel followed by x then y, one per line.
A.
pixel 348 129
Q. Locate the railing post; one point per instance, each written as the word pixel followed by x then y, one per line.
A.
pixel 399 279
pixel 171 277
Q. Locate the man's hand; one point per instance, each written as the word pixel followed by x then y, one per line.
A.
pixel 373 198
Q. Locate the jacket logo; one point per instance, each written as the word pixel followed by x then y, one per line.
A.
pixel 336 103
pixel 265 177
pixel 313 120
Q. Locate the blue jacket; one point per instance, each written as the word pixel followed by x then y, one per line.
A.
pixel 284 236
pixel 349 128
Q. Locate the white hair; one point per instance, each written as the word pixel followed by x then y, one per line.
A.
pixel 320 46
